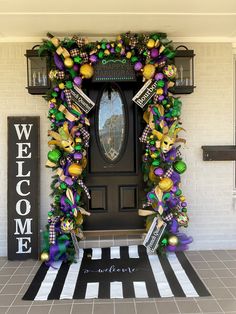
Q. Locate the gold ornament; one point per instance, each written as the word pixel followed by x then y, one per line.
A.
pixel 61 85
pixel 75 170
pixel 173 240
pixel 68 62
pixel 149 71
pixel 128 55
pixel 86 71
pixel 44 257
pixel 159 91
pixel 151 43
pixel 165 184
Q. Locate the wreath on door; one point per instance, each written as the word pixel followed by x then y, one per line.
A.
pixel 73 60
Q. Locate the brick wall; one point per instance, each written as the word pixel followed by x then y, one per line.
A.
pixel 207 115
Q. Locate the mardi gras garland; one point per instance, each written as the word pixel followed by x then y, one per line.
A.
pixel 73 61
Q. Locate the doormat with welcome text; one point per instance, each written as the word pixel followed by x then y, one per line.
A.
pixel 117 272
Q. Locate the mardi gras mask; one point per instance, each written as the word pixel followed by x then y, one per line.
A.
pixel 63 138
pixel 166 144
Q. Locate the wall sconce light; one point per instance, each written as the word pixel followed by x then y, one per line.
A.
pixel 37 72
pixel 183 60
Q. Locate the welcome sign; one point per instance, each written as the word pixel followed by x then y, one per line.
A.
pixel 23 187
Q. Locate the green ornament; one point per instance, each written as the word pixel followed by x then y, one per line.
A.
pixel 184 210
pixel 69 84
pixel 77 59
pixel 160 83
pixel 117 49
pixel 52 111
pixel 164 242
pixel 100 54
pixel 54 155
pixel 164 102
pixel 54 94
pixel 49 214
pixel 134 59
pixel 180 166
pixel 103 46
pixel 59 116
pixel 152 142
pixel 78 147
pixel 156 163
pixel 178 192
pixel 57 198
pixel 63 186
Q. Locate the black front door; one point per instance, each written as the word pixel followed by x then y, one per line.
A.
pixel 114 170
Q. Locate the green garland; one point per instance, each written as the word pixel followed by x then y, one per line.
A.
pixel 72 62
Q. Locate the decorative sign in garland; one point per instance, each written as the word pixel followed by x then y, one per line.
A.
pixel 23 187
pixel 75 60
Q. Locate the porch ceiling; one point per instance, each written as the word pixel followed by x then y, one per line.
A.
pixel 30 20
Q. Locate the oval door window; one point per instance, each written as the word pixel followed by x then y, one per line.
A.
pixel 111 123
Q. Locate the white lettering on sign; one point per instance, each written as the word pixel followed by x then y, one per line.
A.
pixel 23 243
pixel 25 129
pixel 20 170
pixel 24 229
pixel 23 206
pixel 22 149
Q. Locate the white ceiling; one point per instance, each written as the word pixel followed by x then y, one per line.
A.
pixel 199 20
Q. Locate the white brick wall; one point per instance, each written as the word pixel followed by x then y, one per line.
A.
pixel 207 116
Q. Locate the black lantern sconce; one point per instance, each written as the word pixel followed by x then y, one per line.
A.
pixel 37 72
pixel 183 60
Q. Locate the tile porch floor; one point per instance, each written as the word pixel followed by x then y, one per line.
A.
pixel 216 268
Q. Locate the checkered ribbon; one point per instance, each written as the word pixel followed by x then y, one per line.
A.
pixel 68 96
pixel 168 217
pixel 84 56
pixel 79 40
pixel 178 154
pixel 169 173
pixel 60 75
pixel 133 42
pixel 86 136
pixel 74 52
pixel 146 131
pixel 52 232
pixel 86 190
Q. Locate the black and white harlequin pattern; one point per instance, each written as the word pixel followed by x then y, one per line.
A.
pixel 117 272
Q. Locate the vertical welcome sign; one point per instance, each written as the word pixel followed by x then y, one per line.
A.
pixel 23 187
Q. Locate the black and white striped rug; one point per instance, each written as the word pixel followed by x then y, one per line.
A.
pixel 117 272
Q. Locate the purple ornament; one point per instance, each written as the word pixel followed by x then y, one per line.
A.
pixel 174 189
pixel 78 156
pixel 69 181
pixel 159 76
pixel 52 105
pixel 62 96
pixel 154 53
pixel 108 46
pixel 153 148
pixel 184 204
pixel 138 66
pixel 161 97
pixel 76 67
pixel 56 89
pixel 112 50
pixel 93 58
pixel 78 80
pixel 158 172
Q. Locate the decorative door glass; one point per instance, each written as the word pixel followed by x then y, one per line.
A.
pixel 111 123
